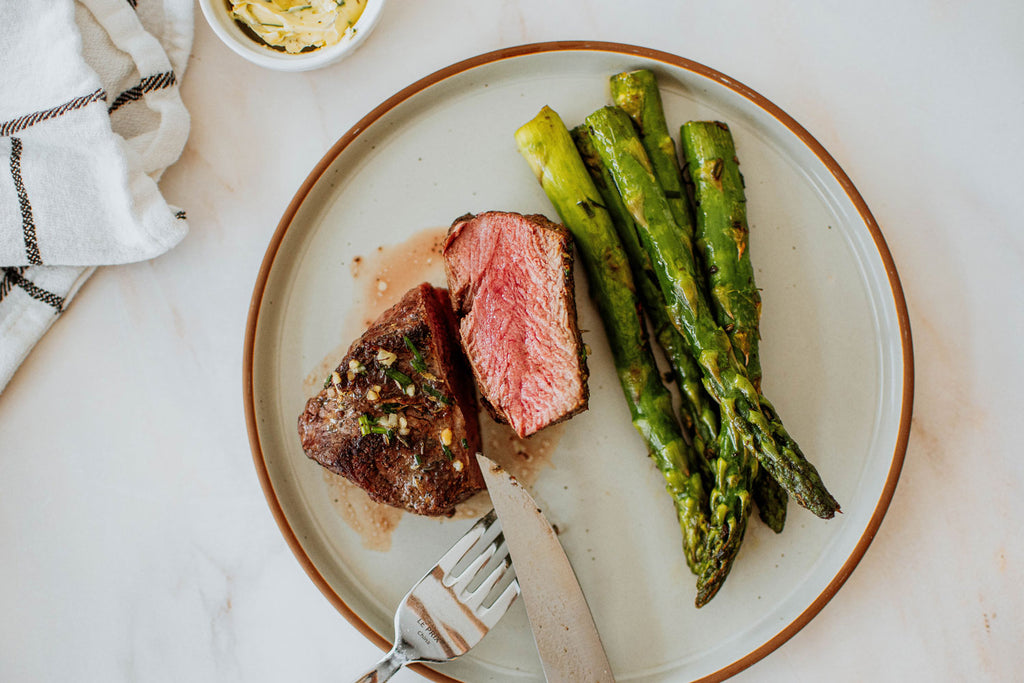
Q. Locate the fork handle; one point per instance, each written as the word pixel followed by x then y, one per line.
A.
pixel 385 669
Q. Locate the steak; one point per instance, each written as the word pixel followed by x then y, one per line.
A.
pixel 399 416
pixel 511 284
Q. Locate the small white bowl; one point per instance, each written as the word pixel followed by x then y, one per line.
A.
pixel 218 16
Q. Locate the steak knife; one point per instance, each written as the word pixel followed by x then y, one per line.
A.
pixel 563 628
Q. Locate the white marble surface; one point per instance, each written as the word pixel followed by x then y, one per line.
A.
pixel 137 543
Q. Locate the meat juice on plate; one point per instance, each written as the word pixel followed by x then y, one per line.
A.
pixel 382 277
pixel 385 274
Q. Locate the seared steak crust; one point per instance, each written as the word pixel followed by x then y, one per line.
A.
pixel 511 284
pixel 399 416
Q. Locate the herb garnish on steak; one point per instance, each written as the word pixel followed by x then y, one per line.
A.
pixel 398 417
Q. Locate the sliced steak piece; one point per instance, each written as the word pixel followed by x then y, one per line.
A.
pixel 399 416
pixel 511 284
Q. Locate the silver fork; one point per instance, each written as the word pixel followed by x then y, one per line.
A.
pixel 440 618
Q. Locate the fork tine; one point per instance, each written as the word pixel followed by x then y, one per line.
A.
pixel 490 615
pixel 458 551
pixel 461 582
pixel 475 599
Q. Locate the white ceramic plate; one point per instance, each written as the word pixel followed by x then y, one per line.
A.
pixel 836 352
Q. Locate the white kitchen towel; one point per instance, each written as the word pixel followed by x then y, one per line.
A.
pixel 90 117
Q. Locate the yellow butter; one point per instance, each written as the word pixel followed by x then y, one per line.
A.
pixel 296 25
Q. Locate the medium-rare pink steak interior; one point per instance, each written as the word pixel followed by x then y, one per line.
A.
pixel 511 284
pixel 399 416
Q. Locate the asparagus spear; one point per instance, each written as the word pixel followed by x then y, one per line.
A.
pixel 548 147
pixel 729 477
pixel 730 510
pixel 671 255
pixel 697 409
pixel 637 94
pixel 769 496
pixel 723 237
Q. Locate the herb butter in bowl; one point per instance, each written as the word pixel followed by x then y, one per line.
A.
pixel 292 35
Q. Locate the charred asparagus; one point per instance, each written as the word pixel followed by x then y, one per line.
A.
pixel 672 257
pixel 547 146
pixel 723 239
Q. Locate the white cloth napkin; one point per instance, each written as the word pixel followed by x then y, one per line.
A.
pixel 90 116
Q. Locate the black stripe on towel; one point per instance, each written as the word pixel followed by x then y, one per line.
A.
pixel 147 84
pixel 28 226
pixel 15 276
pixel 10 279
pixel 134 3
pixel 22 122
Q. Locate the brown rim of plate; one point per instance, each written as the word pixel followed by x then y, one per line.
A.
pixel 632 50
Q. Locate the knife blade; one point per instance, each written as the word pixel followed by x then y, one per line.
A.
pixel 563 628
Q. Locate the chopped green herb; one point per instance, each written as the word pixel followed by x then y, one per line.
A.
pixel 447 452
pixel 465 444
pixel 299 8
pixel 418 460
pixel 418 364
pixel 390 408
pixel 403 379
pixel 437 394
pixel 365 427
pixel 273 25
pixel 327 382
